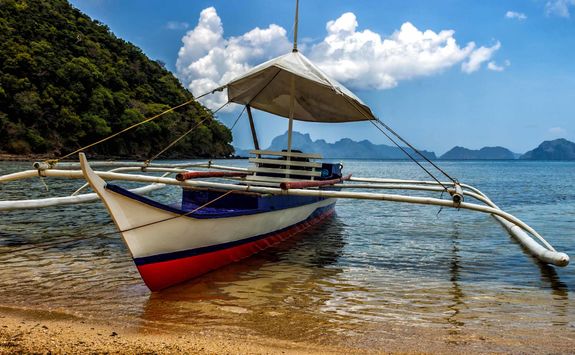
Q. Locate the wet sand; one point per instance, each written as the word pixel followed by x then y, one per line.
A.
pixel 34 331
pixel 24 331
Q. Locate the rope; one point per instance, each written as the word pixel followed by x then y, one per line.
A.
pixel 182 136
pixel 178 216
pixel 45 245
pixel 409 155
pixel 371 118
pixel 237 119
pixel 263 88
pixel 54 161
pixel 417 151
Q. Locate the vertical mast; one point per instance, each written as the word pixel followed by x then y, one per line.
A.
pixel 295 27
pixel 292 88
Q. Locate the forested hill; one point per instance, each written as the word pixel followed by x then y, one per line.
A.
pixel 67 81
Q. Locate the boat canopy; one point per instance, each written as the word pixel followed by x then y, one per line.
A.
pixel 317 98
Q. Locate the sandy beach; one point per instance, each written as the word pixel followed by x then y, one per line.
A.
pixel 24 331
pixel 34 331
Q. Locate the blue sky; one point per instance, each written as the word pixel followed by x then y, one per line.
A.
pixel 441 73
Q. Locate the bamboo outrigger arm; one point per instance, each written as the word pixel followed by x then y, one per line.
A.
pixel 523 233
pixel 67 200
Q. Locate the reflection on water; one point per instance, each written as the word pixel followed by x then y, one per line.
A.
pixel 372 268
pixel 265 287
pixel 560 309
pixel 457 292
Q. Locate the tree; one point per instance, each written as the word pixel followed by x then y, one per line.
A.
pixel 67 81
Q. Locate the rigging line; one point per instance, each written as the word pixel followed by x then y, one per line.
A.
pixel 47 245
pixel 238 118
pixel 183 135
pixel 417 151
pixel 409 155
pixel 180 215
pixel 54 161
pixel 50 244
pixel 265 86
pixel 371 118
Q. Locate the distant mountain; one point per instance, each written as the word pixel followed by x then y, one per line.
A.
pixel 344 148
pixel 558 149
pixel 485 153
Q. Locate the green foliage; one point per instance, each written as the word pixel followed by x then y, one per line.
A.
pixel 66 81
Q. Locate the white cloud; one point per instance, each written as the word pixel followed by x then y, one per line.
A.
pixel 175 25
pixel 363 59
pixel 559 7
pixel 493 66
pixel 478 57
pixel 207 60
pixel 359 59
pixel 557 132
pixel 515 15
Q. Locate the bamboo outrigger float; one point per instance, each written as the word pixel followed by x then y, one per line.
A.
pixel 283 193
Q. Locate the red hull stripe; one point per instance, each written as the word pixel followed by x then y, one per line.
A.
pixel 163 274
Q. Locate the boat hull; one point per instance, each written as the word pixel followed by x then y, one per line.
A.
pixel 173 270
pixel 170 245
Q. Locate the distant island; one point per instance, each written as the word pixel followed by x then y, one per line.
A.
pixel 558 149
pixel 344 148
pixel 485 153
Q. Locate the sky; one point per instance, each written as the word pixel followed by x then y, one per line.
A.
pixel 440 73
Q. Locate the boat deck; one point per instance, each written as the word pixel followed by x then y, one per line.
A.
pixel 231 205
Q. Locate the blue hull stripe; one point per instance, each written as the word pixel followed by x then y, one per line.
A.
pixel 279 203
pixel 212 248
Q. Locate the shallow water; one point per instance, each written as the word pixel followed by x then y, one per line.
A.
pixel 373 266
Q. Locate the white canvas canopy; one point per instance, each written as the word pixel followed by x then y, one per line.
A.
pixel 317 98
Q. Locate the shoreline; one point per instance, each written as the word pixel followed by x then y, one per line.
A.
pixel 43 157
pixel 35 331
pixel 44 331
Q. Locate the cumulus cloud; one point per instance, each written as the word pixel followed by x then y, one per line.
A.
pixel 478 57
pixel 363 59
pixel 515 15
pixel 493 66
pixel 358 58
pixel 559 7
pixel 207 60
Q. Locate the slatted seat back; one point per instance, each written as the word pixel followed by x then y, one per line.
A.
pixel 270 168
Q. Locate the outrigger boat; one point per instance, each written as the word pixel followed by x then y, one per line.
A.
pixel 283 193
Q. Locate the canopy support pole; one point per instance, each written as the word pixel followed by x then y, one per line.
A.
pixel 253 128
pixel 292 89
pixel 291 113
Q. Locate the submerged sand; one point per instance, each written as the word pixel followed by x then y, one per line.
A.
pixel 47 332
pixel 34 331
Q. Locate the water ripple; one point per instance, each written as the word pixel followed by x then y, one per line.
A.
pixel 375 263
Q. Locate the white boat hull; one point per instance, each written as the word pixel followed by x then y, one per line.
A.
pixel 170 247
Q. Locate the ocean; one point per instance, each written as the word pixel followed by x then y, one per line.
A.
pixel 372 270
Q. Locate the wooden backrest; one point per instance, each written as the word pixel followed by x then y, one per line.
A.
pixel 273 167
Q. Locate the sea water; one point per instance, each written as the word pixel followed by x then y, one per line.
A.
pixel 372 268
